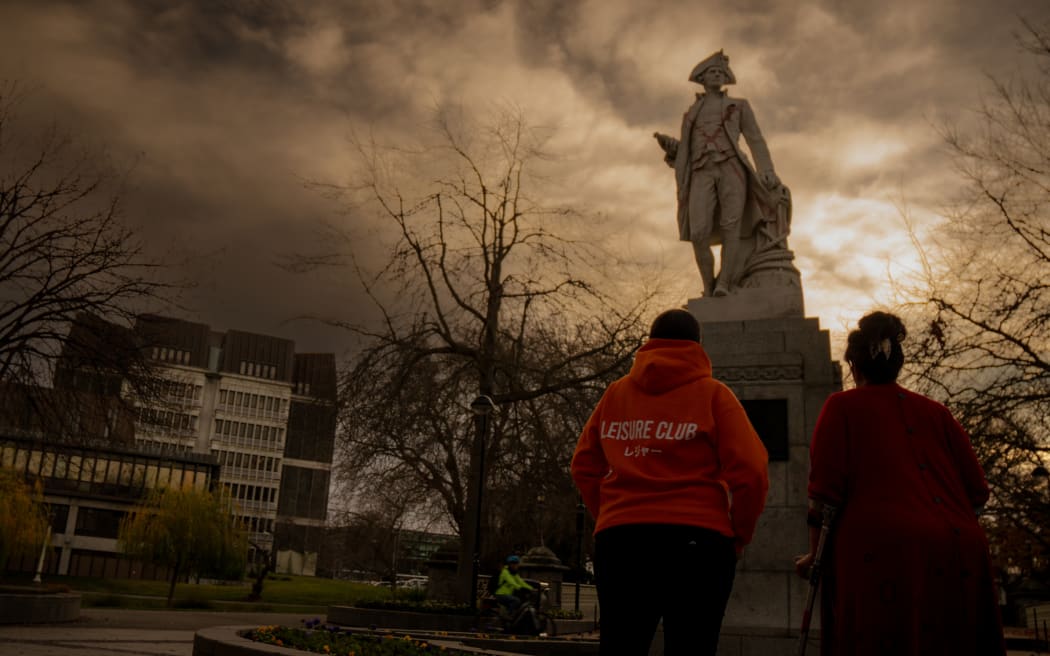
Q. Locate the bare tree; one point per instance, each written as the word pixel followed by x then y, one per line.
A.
pixel 486 291
pixel 984 300
pixel 65 253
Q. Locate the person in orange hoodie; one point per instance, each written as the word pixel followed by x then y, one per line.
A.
pixel 676 478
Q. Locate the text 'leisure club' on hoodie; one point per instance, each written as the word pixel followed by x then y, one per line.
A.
pixel 669 444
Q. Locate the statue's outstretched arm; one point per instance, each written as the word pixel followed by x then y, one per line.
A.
pixel 669 145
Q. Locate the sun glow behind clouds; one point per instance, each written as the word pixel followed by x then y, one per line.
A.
pixel 852 251
pixel 869 150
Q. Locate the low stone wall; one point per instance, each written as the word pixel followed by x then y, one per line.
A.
pixel 562 627
pixel 229 641
pixel 534 647
pixel 409 621
pixel 30 608
pixel 399 620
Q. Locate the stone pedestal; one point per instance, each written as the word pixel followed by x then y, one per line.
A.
pixel 541 564
pixel 781 370
pixel 748 304
pixel 441 574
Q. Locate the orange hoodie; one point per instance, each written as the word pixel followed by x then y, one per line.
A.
pixel 669 444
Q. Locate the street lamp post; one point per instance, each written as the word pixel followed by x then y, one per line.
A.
pixel 482 407
pixel 1042 479
pixel 43 552
pixel 580 509
pixel 541 502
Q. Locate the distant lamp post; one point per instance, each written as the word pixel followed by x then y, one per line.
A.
pixel 43 551
pixel 580 510
pixel 482 407
pixel 541 503
pixel 1042 477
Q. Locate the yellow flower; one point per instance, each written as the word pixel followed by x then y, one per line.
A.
pixel 279 642
pixel 326 650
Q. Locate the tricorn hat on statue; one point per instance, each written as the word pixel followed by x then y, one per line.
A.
pixel 718 59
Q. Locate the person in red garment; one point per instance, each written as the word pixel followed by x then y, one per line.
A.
pixel 907 569
pixel 676 478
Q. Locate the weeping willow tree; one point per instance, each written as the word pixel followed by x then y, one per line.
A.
pixel 23 521
pixel 189 531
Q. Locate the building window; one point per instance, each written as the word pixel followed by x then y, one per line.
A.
pixel 61 465
pixel 98 523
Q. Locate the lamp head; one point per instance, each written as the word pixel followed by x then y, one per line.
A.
pixel 483 405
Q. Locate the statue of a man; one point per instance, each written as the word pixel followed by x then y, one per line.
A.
pixel 720 197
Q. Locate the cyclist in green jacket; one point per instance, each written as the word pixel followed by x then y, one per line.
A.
pixel 510 583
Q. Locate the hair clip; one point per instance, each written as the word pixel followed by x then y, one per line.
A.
pixel 882 347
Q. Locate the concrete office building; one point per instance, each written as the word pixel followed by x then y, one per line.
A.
pixel 265 413
pixel 302 504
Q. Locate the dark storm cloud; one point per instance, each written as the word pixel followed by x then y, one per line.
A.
pixel 551 33
pixel 168 38
pixel 223 110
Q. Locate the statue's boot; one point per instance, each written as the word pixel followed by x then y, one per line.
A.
pixel 729 276
pixel 705 261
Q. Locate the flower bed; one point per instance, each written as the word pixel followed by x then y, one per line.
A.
pixel 331 640
pixel 285 641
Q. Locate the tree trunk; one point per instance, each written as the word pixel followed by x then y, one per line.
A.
pixel 174 579
pixel 260 576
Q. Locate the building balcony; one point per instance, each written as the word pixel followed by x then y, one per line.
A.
pixel 267 508
pixel 247 475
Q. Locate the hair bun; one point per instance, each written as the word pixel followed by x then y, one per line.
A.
pixel 873 350
pixel 878 326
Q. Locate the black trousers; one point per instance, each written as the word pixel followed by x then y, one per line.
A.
pixel 645 572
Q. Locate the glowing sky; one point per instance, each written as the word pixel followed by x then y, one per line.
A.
pixel 223 109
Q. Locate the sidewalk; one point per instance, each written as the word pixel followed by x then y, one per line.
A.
pixel 118 632
pixel 103 631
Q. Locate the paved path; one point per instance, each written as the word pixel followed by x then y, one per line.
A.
pixel 103 632
pixel 117 632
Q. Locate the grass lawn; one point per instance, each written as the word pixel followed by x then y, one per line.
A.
pixel 306 592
